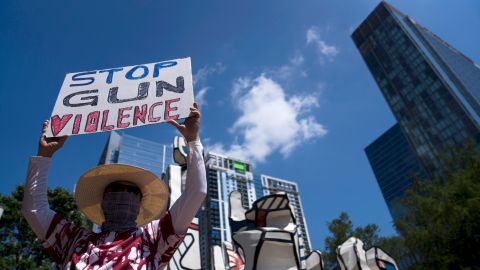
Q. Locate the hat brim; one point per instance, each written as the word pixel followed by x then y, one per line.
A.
pixel 91 185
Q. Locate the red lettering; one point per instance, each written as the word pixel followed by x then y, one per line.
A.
pixel 76 124
pixel 104 126
pixel 152 119
pixel 92 121
pixel 168 109
pixel 58 123
pixel 121 116
pixel 139 115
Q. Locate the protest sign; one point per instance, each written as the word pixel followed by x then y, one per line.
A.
pixel 125 97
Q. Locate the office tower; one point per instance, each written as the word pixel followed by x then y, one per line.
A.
pixel 394 164
pixel 274 185
pixel 432 89
pixel 126 149
pixel 224 175
pixel 227 174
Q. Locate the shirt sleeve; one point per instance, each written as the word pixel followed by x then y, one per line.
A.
pixel 61 237
pixel 165 240
pixel 55 232
pixel 186 206
pixel 35 206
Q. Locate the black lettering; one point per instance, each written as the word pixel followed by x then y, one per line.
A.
pixel 142 94
pixel 93 100
pixel 180 88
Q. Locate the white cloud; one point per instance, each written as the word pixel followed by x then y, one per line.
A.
pixel 200 98
pixel 287 71
pixel 200 78
pixel 325 50
pixel 312 35
pixel 270 120
pixel 297 60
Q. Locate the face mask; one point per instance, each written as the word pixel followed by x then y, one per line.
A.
pixel 120 210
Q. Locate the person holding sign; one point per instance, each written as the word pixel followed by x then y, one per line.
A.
pixel 129 202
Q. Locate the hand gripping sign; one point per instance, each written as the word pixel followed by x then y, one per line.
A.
pixel 125 97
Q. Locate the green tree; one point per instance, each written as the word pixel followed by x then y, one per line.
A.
pixel 20 248
pixel 342 228
pixel 442 225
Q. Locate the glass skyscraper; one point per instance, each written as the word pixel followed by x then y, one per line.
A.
pixel 432 89
pixel 394 164
pixel 126 149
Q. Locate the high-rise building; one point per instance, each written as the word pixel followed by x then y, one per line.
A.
pixel 432 89
pixel 394 164
pixel 126 149
pixel 224 175
pixel 272 185
pixel 227 174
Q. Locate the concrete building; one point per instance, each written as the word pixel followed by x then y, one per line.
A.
pixel 224 175
pixel 272 185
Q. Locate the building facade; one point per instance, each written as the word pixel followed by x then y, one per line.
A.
pixel 432 89
pixel 272 185
pixel 126 149
pixel 227 174
pixel 394 164
pixel 224 175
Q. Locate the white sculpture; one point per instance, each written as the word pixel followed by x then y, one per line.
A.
pixel 187 255
pixel 266 235
pixel 352 256
pixel 377 259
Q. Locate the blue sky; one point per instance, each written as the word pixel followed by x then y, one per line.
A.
pixel 279 82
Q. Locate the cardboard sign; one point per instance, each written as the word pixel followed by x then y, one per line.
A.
pixel 125 97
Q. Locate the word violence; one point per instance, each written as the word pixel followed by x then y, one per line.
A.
pixel 125 117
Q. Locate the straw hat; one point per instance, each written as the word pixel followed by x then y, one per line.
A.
pixel 91 185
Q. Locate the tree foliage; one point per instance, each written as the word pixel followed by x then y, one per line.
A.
pixel 440 229
pixel 19 246
pixel 442 225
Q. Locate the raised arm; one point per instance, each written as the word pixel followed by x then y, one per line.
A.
pixel 35 206
pixel 187 205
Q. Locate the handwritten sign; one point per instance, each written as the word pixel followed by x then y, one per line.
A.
pixel 125 97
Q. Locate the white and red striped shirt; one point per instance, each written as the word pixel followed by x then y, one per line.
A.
pixel 148 247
